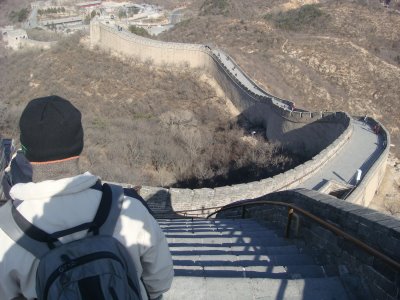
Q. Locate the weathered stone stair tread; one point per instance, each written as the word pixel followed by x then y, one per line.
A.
pixel 277 260
pixel 222 233
pixel 241 259
pixel 235 250
pixel 261 288
pixel 253 228
pixel 224 222
pixel 226 238
pixel 281 272
pixel 227 243
pixel 208 223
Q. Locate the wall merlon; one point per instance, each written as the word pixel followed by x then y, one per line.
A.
pixel 203 194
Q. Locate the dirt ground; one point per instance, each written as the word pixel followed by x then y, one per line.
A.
pixel 387 197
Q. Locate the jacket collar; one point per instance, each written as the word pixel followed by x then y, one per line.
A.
pixel 50 188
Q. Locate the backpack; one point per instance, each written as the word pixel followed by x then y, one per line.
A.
pixel 96 267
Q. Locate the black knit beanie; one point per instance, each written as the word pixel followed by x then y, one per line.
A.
pixel 51 129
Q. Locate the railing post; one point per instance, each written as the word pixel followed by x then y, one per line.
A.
pixel 243 211
pixel 289 222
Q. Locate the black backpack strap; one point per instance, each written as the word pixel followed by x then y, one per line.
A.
pixel 131 192
pixel 22 232
pixel 107 217
pixel 99 219
pixel 37 241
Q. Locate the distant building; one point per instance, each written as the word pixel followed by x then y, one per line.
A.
pixel 38 4
pixel 42 4
pixel 112 7
pixel 88 4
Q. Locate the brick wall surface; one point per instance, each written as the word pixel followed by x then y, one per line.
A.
pixel 375 229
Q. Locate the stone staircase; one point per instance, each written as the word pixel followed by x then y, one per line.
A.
pixel 241 259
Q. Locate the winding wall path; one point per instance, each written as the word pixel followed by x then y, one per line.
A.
pixel 338 144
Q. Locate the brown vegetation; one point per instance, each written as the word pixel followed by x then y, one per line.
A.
pixel 143 125
pixel 7 7
pixel 39 34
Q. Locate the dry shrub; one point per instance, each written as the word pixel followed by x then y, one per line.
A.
pixel 230 156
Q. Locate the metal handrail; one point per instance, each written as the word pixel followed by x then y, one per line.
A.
pixel 198 209
pixel 292 208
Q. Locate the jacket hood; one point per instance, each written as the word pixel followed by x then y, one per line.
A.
pixel 47 189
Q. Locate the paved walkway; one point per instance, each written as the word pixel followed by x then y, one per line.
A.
pixel 31 22
pixel 360 152
pixel 237 73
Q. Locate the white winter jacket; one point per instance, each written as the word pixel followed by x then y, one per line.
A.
pixel 55 205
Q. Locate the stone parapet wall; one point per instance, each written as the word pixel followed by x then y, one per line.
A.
pixel 269 97
pixel 337 255
pixel 159 53
pixel 174 199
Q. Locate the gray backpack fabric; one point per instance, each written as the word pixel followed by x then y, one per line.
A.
pixel 96 267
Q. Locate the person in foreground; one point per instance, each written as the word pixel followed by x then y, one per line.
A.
pixel 60 197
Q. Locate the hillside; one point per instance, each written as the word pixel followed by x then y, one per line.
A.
pixel 347 58
pixel 143 125
pixel 325 55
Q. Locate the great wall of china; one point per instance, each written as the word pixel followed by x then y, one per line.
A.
pixel 340 145
pixel 322 135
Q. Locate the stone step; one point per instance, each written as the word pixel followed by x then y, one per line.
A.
pixel 305 271
pixel 235 250
pixel 281 272
pixel 220 222
pixel 238 226
pixel 218 288
pixel 228 259
pixel 223 231
pixel 276 260
pixel 212 234
pixel 195 227
pixel 227 242
pixel 241 227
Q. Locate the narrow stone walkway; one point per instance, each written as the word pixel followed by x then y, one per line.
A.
pixel 360 152
pixel 237 73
